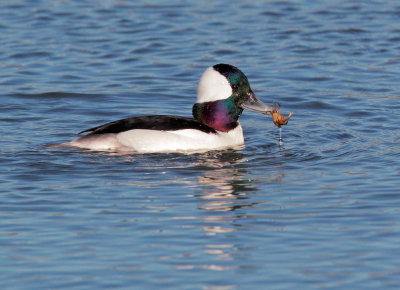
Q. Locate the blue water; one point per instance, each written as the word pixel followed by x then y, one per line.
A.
pixel 322 210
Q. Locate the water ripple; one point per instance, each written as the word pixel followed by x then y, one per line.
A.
pixel 322 205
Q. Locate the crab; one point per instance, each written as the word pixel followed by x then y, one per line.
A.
pixel 278 119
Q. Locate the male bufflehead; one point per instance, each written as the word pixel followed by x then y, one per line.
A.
pixel 222 94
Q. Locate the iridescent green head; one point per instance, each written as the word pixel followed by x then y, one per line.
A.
pixel 223 92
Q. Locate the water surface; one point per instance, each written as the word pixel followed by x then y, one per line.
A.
pixel 320 211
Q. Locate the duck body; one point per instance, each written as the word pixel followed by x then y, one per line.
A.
pixel 158 133
pixel 222 95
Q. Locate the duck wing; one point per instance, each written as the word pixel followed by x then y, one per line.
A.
pixel 156 122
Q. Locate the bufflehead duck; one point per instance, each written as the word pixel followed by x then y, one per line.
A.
pixel 223 92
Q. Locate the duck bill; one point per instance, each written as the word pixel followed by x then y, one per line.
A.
pixel 255 105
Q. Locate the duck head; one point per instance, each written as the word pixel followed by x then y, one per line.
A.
pixel 223 92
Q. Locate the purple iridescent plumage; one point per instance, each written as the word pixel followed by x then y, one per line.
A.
pixel 221 115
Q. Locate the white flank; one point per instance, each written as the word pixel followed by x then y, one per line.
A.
pixel 148 141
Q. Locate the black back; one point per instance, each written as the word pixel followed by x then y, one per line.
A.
pixel 156 122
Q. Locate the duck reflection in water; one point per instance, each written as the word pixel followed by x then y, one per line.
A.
pixel 226 185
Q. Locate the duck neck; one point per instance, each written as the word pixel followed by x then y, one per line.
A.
pixel 221 115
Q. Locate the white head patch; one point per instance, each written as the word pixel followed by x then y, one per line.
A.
pixel 213 86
